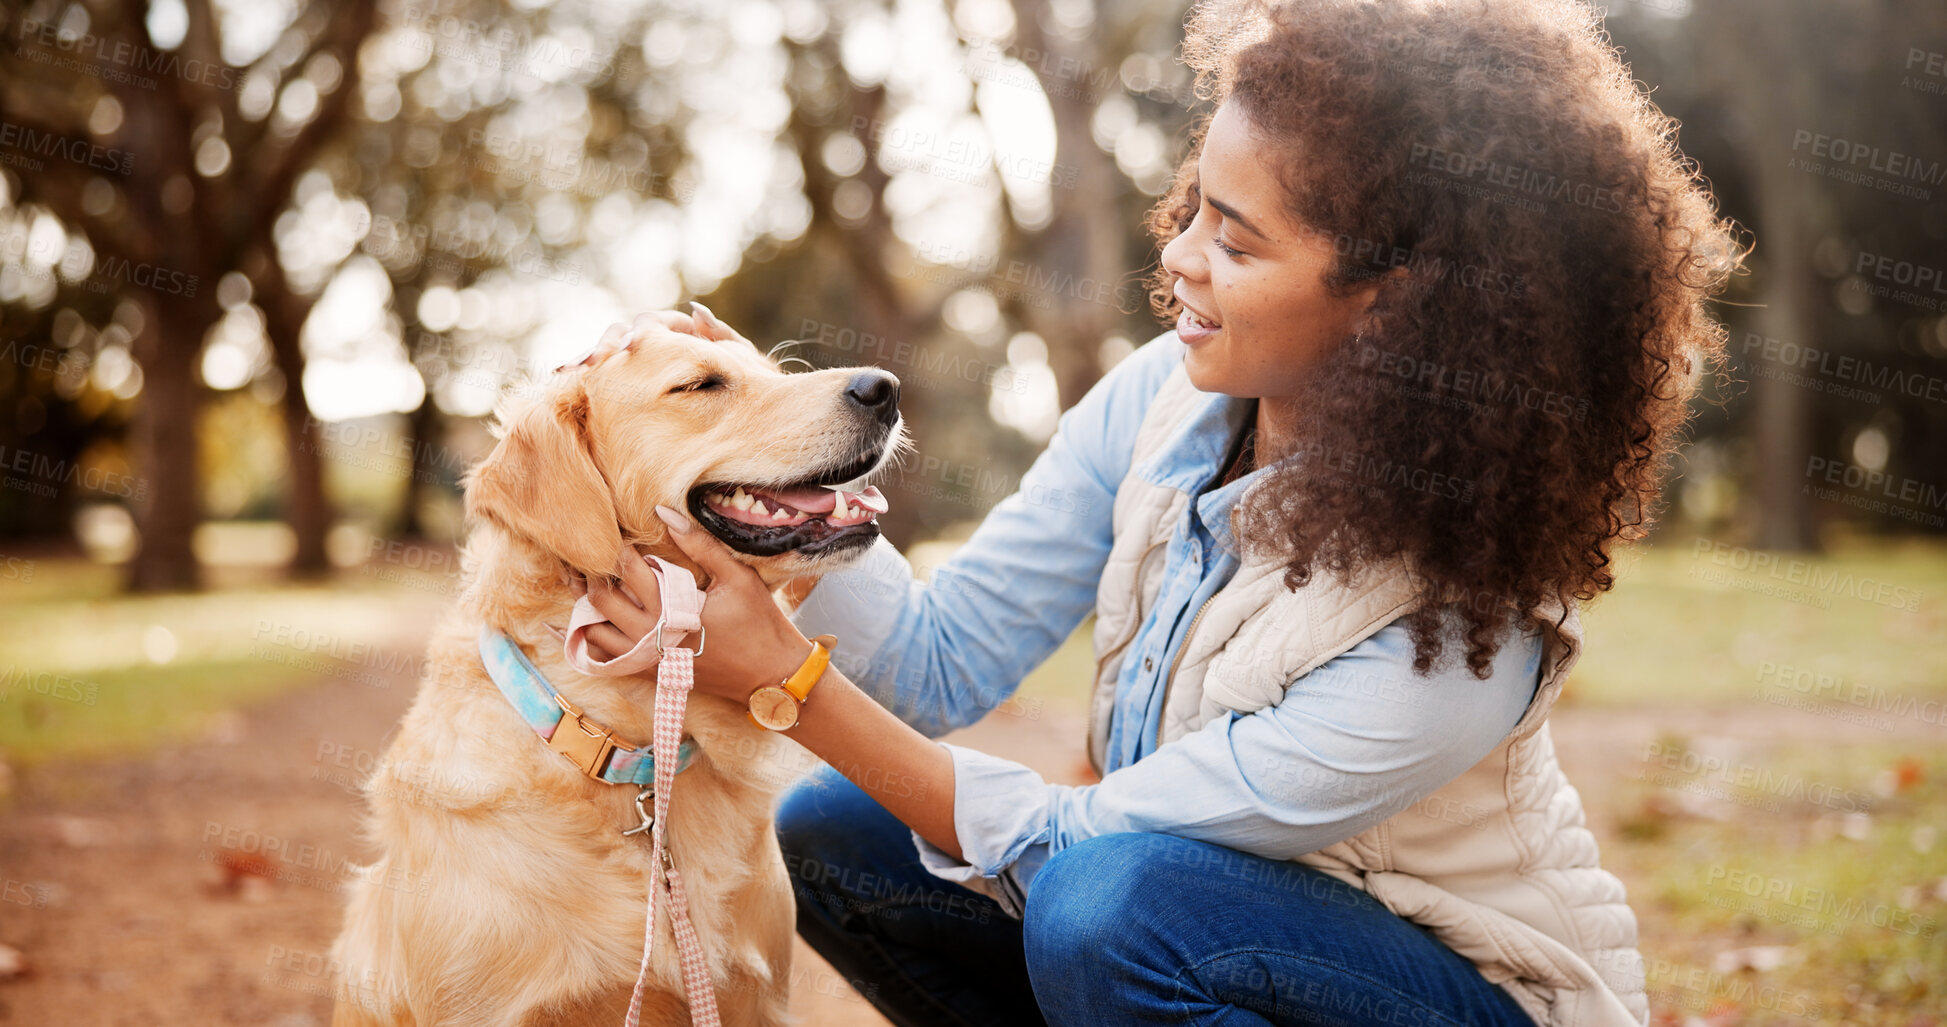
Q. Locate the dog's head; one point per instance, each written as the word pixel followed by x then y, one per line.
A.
pixel 771 463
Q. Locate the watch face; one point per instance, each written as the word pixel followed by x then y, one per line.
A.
pixel 773 707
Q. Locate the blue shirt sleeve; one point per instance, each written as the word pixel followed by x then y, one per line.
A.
pixel 940 655
pixel 1350 744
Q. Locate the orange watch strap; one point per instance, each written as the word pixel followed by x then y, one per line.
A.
pixel 799 684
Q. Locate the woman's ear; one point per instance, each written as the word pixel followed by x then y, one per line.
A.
pixel 541 483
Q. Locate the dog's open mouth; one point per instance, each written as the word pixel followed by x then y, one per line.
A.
pixel 808 517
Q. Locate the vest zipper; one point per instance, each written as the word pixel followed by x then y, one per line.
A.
pixel 1169 682
pixel 1136 628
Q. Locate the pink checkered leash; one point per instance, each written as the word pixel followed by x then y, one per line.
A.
pixel 682 613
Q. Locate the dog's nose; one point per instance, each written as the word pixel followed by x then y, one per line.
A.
pixel 875 392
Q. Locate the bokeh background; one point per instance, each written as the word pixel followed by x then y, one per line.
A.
pixel 265 265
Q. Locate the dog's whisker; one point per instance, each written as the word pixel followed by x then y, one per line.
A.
pixel 772 352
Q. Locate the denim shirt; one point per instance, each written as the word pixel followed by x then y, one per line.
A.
pixel 1350 744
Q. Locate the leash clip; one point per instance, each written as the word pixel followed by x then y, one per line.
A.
pixel 648 821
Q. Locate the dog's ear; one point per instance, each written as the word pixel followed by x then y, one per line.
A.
pixel 541 483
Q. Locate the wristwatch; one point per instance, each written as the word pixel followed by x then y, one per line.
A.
pixel 776 706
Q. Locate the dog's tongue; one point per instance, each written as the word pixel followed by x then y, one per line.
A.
pixel 819 500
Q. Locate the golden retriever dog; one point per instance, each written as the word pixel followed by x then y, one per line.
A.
pixel 505 892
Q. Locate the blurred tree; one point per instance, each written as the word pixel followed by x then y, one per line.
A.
pixel 65 391
pixel 187 146
pixel 1056 232
pixel 498 163
pixel 1839 364
pixel 490 135
pixel 1082 245
pixel 347 201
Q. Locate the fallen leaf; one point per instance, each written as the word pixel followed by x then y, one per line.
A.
pixel 225 728
pixel 247 875
pixel 1856 826
pixel 1909 772
pixel 1758 957
pixel 12 963
pixel 82 832
pixel 1671 805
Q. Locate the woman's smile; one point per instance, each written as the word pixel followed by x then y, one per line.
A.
pixel 1193 327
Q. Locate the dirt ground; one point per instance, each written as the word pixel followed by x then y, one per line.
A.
pixel 111 894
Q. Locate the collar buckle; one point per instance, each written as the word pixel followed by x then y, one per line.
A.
pixel 587 746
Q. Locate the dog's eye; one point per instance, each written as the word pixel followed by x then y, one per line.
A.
pixel 714 381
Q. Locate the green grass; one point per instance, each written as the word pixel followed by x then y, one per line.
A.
pixel 126 711
pixel 1846 878
pixel 1688 626
pixel 86 671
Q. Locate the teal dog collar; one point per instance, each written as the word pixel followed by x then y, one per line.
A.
pixel 590 747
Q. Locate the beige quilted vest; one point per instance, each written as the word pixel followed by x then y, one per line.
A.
pixel 1497 864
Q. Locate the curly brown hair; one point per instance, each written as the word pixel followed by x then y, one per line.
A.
pixel 1545 256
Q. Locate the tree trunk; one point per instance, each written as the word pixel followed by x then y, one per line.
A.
pixel 423 428
pixel 306 508
pixel 1781 409
pixel 1080 251
pixel 163 437
pixel 1788 219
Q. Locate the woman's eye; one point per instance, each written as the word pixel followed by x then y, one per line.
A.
pixel 1228 252
pixel 700 385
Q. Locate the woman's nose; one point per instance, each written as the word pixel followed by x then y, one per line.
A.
pixel 1180 257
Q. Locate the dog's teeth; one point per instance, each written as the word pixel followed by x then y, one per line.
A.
pixel 780 515
pixel 757 507
pixel 839 509
pixel 741 500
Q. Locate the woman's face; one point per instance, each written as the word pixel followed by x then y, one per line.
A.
pixel 1256 312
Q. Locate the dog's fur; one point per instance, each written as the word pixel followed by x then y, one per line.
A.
pixel 504 893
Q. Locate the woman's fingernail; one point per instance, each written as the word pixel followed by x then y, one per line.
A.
pixel 576 362
pixel 676 521
pixel 706 322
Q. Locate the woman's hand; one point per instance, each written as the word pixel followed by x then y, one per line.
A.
pixel 698 322
pixel 748 641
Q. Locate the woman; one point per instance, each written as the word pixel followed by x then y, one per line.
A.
pixel 1438 276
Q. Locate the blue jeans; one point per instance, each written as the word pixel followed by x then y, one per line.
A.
pixel 1123 929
